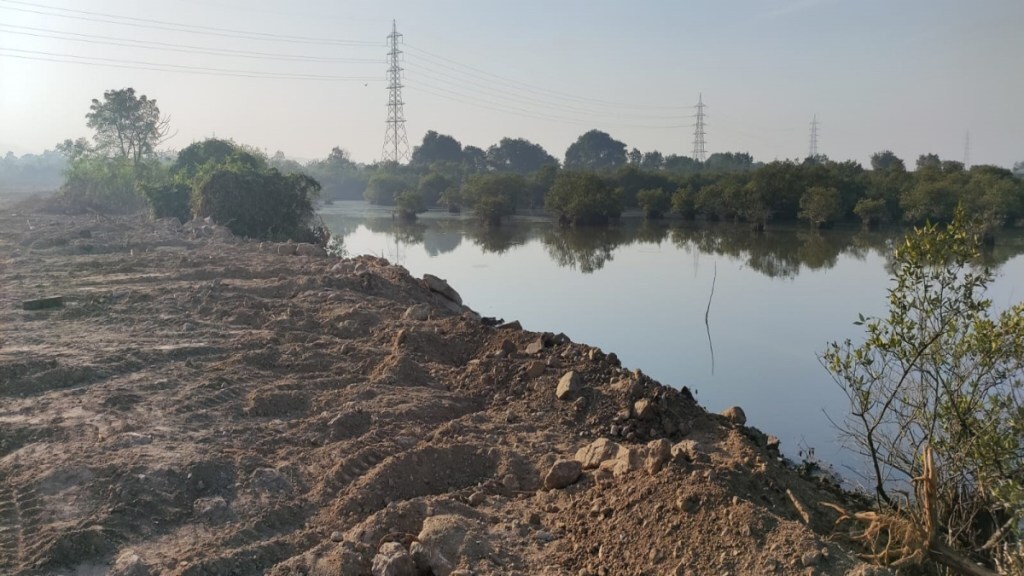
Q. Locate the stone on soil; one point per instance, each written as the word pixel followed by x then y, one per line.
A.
pixel 562 474
pixel 441 286
pixel 568 385
pixel 393 560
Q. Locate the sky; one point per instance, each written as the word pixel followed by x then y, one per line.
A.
pixel 911 76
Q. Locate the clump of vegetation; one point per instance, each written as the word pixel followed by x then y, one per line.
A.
pixel 583 198
pixel 936 396
pixel 655 202
pixel 820 206
pixel 386 186
pixel 409 204
pixel 255 202
pixel 494 196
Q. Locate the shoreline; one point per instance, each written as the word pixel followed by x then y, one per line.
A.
pixel 205 404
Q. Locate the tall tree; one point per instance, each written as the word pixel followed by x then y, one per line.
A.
pixel 886 161
pixel 595 150
pixel 437 148
pixel 126 125
pixel 518 156
pixel 474 159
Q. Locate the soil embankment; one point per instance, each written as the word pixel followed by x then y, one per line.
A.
pixel 201 404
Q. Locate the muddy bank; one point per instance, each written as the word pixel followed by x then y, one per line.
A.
pixel 200 404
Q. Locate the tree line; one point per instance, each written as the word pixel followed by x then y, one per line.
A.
pixel 597 180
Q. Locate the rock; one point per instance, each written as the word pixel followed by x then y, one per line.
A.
pixel 644 408
pixel 508 346
pixel 286 249
pixel 683 427
pixel 393 560
pixel 561 338
pixel 568 385
pixel 535 347
pixel 212 509
pixel 129 563
pixel 543 536
pixel 562 474
pixel 688 451
pixel 445 540
pixel 659 452
pixel 592 455
pixel 773 444
pixel 337 536
pixel 43 303
pixel 613 359
pixel 441 286
pixel 477 498
pixel 535 369
pixel 735 415
pixel 595 355
pixel 419 313
pixel 513 325
pixel 311 250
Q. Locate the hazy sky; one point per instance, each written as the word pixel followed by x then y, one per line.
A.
pixel 912 76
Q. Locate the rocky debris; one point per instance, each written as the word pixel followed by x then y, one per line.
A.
pixel 289 416
pixel 568 385
pixel 535 369
pixel 735 415
pixel 644 409
pixel 129 563
pixel 535 347
pixel 562 474
pixel 688 451
pixel 211 509
pixel 393 560
pixel 447 540
pixel 441 286
pixel 592 455
pixel 419 313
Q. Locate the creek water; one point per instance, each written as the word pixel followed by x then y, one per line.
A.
pixel 642 291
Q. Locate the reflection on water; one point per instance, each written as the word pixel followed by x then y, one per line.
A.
pixel 777 253
pixel 641 290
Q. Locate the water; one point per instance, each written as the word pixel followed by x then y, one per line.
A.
pixel 642 291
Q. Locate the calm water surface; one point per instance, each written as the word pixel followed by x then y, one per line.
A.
pixel 641 291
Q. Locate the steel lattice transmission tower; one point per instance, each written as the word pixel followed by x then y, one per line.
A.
pixel 396 145
pixel 699 153
pixel 814 137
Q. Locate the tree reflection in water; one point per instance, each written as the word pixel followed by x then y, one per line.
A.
pixel 779 252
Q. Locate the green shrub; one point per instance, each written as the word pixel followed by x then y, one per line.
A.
pixel 100 184
pixel 655 202
pixel 169 200
pixel 583 198
pixel 256 203
pixel 409 204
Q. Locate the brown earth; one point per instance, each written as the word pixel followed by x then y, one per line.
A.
pixel 202 404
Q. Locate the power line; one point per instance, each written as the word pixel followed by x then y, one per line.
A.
pixel 514 111
pixel 105 18
pixel 813 152
pixel 475 72
pixel 396 145
pixel 170 47
pixel 699 153
pixel 504 93
pixel 159 67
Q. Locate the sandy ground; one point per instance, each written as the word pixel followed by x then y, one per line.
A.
pixel 202 404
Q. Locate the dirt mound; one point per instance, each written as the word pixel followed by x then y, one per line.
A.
pixel 207 405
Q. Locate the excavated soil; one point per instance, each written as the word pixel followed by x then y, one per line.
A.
pixel 202 404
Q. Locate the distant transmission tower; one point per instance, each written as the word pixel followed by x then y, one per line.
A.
pixel 814 137
pixel 967 150
pixel 699 153
pixel 396 145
